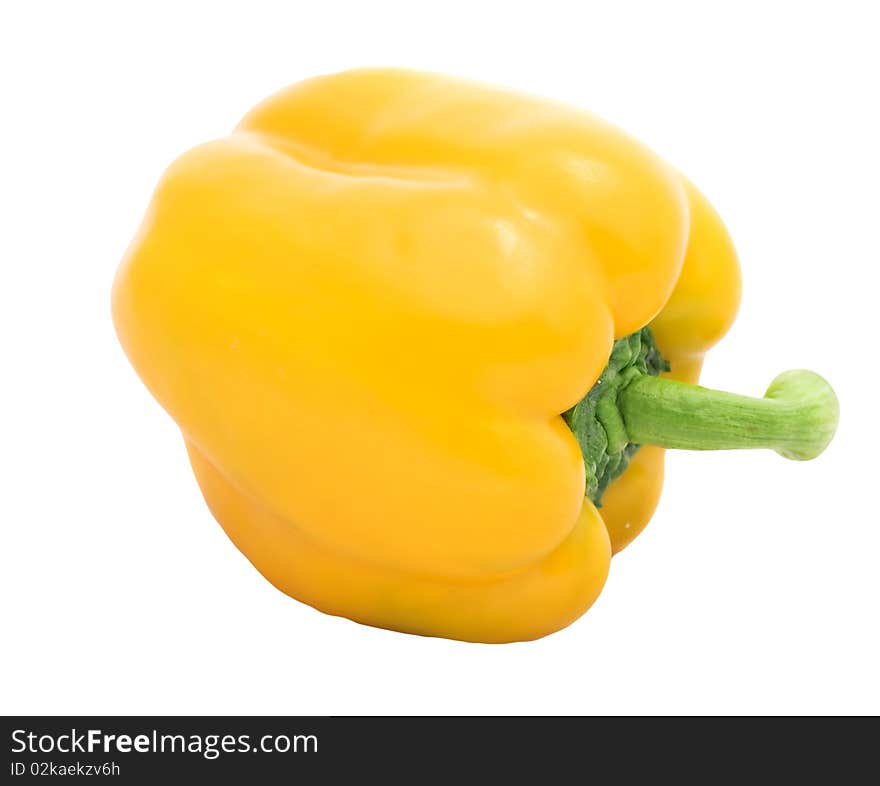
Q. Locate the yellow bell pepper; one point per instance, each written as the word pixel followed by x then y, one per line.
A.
pixel 368 310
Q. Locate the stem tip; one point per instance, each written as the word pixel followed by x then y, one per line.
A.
pixel 812 405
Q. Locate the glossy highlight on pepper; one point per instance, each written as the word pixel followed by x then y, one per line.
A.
pixel 368 308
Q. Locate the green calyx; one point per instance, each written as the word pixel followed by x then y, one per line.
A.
pixel 631 405
pixel 596 420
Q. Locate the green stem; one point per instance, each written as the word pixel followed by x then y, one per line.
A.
pixel 797 416
pixel 631 405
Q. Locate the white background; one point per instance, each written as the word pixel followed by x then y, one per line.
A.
pixel 755 588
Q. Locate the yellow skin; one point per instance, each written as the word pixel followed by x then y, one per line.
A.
pixel 367 309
